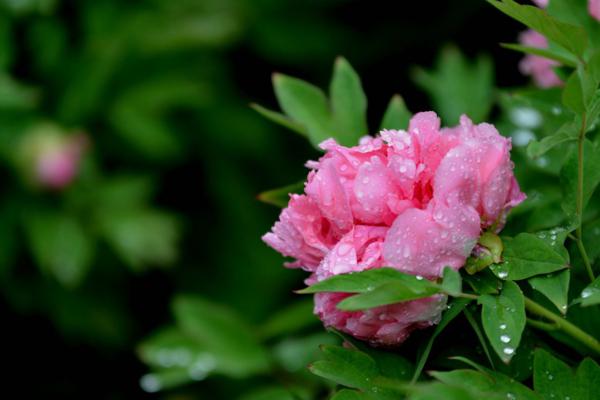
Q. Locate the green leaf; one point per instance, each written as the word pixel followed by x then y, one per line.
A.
pixel 569 176
pixel 348 104
pixel 503 319
pixel 60 246
pixel 570 37
pixel 141 237
pixel 176 356
pixel 366 281
pixel 306 105
pixel 591 239
pixel 593 112
pixel 553 379
pixel 387 293
pixel 520 365
pixel 280 119
pixel 551 54
pixel 15 96
pixel 486 383
pixel 294 353
pixel 458 87
pixel 289 320
pixel 451 282
pixel 122 193
pixel 527 255
pixel 555 287
pixel 567 133
pixel 281 196
pixel 235 348
pixel 438 390
pixel 391 364
pixel 396 115
pixel 591 294
pixel 573 94
pixel 139 114
pixel 346 367
pixel 587 378
pixel 484 282
pixel 454 309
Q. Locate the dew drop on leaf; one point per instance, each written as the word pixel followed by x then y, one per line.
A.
pixel 508 351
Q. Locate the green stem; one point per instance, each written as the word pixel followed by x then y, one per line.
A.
pixel 579 232
pixel 586 259
pixel 545 326
pixel 563 325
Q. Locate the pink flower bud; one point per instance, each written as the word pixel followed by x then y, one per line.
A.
pixel 50 157
pixel 539 68
pixel 413 200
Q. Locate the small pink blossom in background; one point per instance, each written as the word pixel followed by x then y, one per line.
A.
pixel 539 68
pixel 58 164
pixel 414 200
pixel 49 157
pixel 541 3
pixel 594 8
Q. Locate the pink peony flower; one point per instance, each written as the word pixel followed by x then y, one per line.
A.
pixel 594 8
pixel 539 68
pixel 541 3
pixel 413 200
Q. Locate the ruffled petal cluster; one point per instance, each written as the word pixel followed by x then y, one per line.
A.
pixel 415 200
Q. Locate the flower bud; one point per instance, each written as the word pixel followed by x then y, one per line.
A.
pixel 49 157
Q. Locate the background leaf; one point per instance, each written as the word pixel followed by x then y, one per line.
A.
pixel 224 335
pixel 306 104
pixel 61 246
pixel 348 104
pixel 457 86
pixel 396 115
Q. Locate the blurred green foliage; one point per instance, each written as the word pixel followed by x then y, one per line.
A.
pixel 164 183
